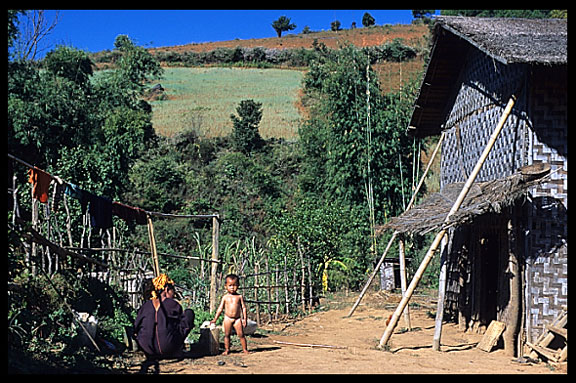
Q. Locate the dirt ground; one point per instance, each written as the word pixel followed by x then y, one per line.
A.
pixel 350 346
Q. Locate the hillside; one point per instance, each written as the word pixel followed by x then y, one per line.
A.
pixel 190 90
pixel 412 34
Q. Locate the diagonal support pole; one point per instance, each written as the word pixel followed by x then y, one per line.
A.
pixel 395 234
pixel 430 254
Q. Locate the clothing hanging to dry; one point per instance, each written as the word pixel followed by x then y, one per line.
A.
pixel 40 181
pixel 129 213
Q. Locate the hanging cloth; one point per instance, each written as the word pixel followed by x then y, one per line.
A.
pixel 40 181
pixel 59 187
pixel 129 213
pixel 75 192
pixel 100 211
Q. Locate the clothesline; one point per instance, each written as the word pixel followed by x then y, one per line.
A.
pixel 121 210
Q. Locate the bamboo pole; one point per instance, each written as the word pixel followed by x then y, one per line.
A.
pixel 268 288
pixel 286 309
pixel 441 296
pixel 155 263
pixel 256 299
pixel 277 292
pixel 308 345
pixel 303 280
pixel 402 259
pixel 214 268
pixel 310 290
pixel 371 277
pixel 463 193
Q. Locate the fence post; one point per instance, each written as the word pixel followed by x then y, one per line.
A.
pixel 215 238
pixel 303 280
pixel 268 282
pixel 286 308
pixel 256 299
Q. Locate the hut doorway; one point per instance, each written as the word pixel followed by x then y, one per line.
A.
pixel 487 257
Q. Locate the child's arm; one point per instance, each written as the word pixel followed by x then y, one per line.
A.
pixel 218 311
pixel 244 311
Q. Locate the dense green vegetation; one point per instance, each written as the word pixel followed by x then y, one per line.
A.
pixel 321 193
pixel 63 120
pixel 260 57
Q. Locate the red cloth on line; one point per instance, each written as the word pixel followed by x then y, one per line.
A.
pixel 40 181
pixel 129 213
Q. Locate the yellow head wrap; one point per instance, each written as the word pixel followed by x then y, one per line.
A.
pixel 159 283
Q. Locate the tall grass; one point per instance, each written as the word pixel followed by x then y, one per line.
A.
pixel 205 98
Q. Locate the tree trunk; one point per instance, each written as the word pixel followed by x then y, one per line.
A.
pixel 513 309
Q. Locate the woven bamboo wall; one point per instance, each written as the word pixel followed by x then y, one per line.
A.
pixel 547 264
pixel 485 88
pixel 536 132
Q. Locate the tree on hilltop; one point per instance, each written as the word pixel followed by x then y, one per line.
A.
pixel 283 24
pixel 368 20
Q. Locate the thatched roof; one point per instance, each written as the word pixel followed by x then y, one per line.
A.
pixel 508 40
pixel 484 197
pixel 512 40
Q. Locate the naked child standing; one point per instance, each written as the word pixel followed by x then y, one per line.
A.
pixel 235 313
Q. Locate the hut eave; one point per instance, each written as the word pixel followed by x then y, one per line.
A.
pixel 484 197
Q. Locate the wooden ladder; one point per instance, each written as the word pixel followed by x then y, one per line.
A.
pixel 558 328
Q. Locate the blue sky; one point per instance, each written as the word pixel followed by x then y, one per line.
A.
pixel 96 30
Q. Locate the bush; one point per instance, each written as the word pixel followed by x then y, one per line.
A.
pixel 394 51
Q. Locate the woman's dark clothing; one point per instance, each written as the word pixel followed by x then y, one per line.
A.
pixel 162 332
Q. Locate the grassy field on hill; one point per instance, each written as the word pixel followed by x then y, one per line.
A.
pixel 204 98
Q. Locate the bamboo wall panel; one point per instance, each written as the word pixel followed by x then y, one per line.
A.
pixel 535 133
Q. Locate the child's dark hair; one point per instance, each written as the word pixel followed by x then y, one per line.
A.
pixel 234 277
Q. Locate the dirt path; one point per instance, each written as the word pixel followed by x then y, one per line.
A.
pixel 355 339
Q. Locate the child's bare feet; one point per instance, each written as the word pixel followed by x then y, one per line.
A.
pixel 246 352
pixel 226 352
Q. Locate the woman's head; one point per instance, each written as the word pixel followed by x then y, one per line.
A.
pixel 169 290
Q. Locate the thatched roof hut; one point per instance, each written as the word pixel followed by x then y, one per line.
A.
pixel 506 251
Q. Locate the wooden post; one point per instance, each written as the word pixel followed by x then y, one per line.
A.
pixel 256 270
pixel 277 291
pixel 310 290
pixel 269 290
pixel 32 259
pixel 286 309
pixel 403 280
pixel 214 269
pixel 377 268
pixel 155 263
pixel 463 193
pixel 303 280
pixel 441 295
pixel 514 303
